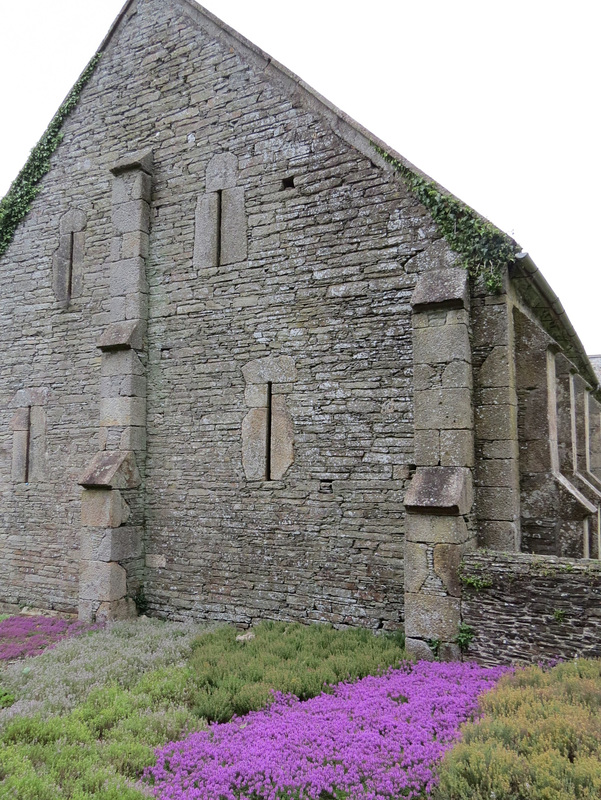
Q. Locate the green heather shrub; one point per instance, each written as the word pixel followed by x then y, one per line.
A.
pixel 101 743
pixel 233 678
pixel 6 698
pixel 539 739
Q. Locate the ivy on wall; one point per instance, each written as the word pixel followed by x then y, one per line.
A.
pixel 485 250
pixel 17 202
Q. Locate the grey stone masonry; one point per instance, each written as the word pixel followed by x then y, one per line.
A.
pixel 440 497
pixel 243 376
pixel 526 608
pixel 107 546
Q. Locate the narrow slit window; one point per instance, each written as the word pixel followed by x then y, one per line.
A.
pixel 218 225
pixel 27 454
pixel 268 431
pixel 70 267
pixel 68 260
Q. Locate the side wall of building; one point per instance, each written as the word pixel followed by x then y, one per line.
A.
pixel 297 288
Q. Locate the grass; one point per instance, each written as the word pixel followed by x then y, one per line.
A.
pixel 99 746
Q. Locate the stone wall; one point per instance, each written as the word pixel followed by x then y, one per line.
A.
pixel 229 321
pixel 272 236
pixel 525 607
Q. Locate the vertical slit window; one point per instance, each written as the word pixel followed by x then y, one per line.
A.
pixel 268 432
pixel 27 454
pixel 70 267
pixel 219 215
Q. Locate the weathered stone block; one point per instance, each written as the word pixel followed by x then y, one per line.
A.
pixel 121 362
pixel 416 566
pixel 103 508
pixel 116 610
pixel 102 581
pixel 447 287
pixel 282 438
pixel 498 472
pixel 457 448
pixel 441 344
pixel 139 160
pixel 457 375
pixel 156 560
pixel 495 369
pixel 133 438
pixel 20 459
pixel 86 610
pixel 429 528
pixel 121 335
pixel 206 235
pixel 498 535
pixel 496 422
pixel 491 324
pixel 30 397
pixel 20 420
pixel 498 504
pixel 447 490
pixel 426 445
pixel 111 544
pixel 423 376
pixel 432 616
pixel 419 650
pixel 447 558
pixel 111 469
pixel 131 216
pixel 128 276
pixel 221 172
pixel 72 221
pixel 255 395
pixel 233 226
pixel 254 444
pixel 120 411
pixel 273 369
pixel 443 409
pixel 134 244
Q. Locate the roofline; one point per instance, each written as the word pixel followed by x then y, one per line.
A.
pixel 344 125
pixel 536 277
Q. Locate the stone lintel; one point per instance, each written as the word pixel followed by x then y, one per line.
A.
pixel 441 287
pixel 141 159
pixel 440 490
pixel 111 469
pixel 221 172
pixel 30 397
pixel 122 336
pixel 274 369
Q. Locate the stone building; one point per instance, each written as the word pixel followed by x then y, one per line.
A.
pixel 245 373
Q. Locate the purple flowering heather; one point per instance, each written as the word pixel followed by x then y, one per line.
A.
pixel 377 739
pixel 29 636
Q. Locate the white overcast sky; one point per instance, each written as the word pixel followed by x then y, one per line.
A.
pixel 498 100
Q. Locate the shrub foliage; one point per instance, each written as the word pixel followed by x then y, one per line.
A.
pixel 99 748
pixel 540 739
